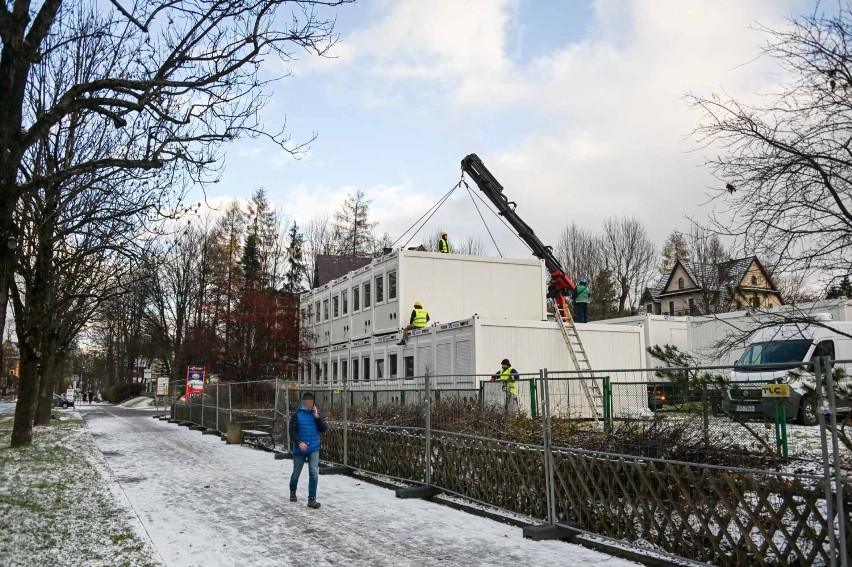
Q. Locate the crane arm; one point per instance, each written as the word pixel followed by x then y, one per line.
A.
pixel 560 283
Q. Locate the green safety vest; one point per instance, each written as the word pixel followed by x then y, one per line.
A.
pixel 420 317
pixel 506 376
pixel 443 246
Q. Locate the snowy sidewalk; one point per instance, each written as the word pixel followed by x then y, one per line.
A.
pixel 203 502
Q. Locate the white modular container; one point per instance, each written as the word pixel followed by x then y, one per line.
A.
pixel 462 354
pixel 659 330
pixel 378 298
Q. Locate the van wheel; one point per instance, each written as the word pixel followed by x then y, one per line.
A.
pixel 808 410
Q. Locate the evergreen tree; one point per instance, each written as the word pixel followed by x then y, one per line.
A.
pixel 353 231
pixel 843 289
pixel 250 262
pixel 296 268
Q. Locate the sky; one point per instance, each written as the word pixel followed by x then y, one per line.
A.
pixel 577 108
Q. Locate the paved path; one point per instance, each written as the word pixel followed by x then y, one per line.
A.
pixel 203 502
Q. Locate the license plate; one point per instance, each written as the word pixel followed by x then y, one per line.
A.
pixel 751 409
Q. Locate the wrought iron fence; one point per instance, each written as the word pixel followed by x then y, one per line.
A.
pixel 620 454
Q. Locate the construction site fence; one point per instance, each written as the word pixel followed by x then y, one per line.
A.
pixel 660 459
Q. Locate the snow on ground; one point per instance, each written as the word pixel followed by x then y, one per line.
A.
pixel 138 402
pixel 203 502
pixel 60 504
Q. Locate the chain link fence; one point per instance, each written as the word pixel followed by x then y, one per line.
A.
pixel 663 459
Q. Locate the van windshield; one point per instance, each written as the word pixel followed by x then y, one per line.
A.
pixel 773 352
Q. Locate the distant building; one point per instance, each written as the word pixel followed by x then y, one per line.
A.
pixel 700 289
pixel 330 267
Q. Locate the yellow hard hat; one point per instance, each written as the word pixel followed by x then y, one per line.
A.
pixel 418 304
pixel 443 233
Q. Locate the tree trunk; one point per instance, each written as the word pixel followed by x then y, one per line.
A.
pixel 22 429
pixel 46 385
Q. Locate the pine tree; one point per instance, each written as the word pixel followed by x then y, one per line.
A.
pixel 675 248
pixel 353 231
pixel 843 289
pixel 250 262
pixel 296 268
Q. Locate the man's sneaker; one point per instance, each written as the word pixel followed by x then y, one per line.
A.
pixel 401 343
pixel 313 504
pixel 293 497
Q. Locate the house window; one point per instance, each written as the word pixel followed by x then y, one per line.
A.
pixel 392 365
pixel 391 285
pixel 366 294
pixel 408 363
pixel 680 284
pixel 380 289
pixel 344 299
pixel 335 307
pixel 754 280
pixel 344 369
pixel 355 369
pixel 755 302
pixel 380 369
pixel 325 310
pixel 649 308
pixel 334 372
pixel 356 298
pixel 671 307
pixel 366 368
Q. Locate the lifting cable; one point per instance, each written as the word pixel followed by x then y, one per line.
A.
pixel 430 212
pixel 500 218
pixel 485 224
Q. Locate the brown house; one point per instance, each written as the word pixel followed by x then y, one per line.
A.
pixel 10 372
pixel 700 289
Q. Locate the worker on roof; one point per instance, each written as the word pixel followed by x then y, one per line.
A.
pixel 509 377
pixel 582 295
pixel 419 318
pixel 444 244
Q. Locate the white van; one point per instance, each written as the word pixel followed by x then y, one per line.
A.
pixel 796 345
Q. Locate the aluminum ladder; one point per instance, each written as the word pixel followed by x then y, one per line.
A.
pixel 581 360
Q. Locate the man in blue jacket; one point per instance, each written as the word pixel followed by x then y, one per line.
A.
pixel 306 424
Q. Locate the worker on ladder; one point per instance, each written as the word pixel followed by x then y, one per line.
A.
pixel 444 244
pixel 509 377
pixel 582 295
pixel 419 318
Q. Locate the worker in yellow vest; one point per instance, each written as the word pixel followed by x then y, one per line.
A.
pixel 419 318
pixel 444 244
pixel 509 377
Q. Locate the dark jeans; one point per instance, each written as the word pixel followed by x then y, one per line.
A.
pixel 313 473
pixel 582 312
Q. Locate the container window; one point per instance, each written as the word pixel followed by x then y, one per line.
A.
pixel 366 368
pixel 391 285
pixel 344 370
pixel 335 307
pixel 366 294
pixel 380 288
pixel 317 311
pixel 325 310
pixel 392 365
pixel 334 371
pixel 380 369
pixel 356 299
pixel 325 372
pixel 344 300
pixel 408 362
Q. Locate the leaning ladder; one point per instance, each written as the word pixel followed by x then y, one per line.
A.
pixel 581 360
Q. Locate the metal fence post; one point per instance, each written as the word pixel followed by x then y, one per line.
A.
pixel 838 477
pixel 705 411
pixel 548 456
pixel 428 436
pixel 275 410
pixel 826 467
pixel 287 419
pixel 203 397
pixel 219 429
pixel 230 406
pixel 345 423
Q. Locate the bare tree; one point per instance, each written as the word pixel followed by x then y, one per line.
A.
pixel 785 165
pixel 707 256
pixel 580 252
pixel 319 240
pixel 629 255
pixel 174 81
